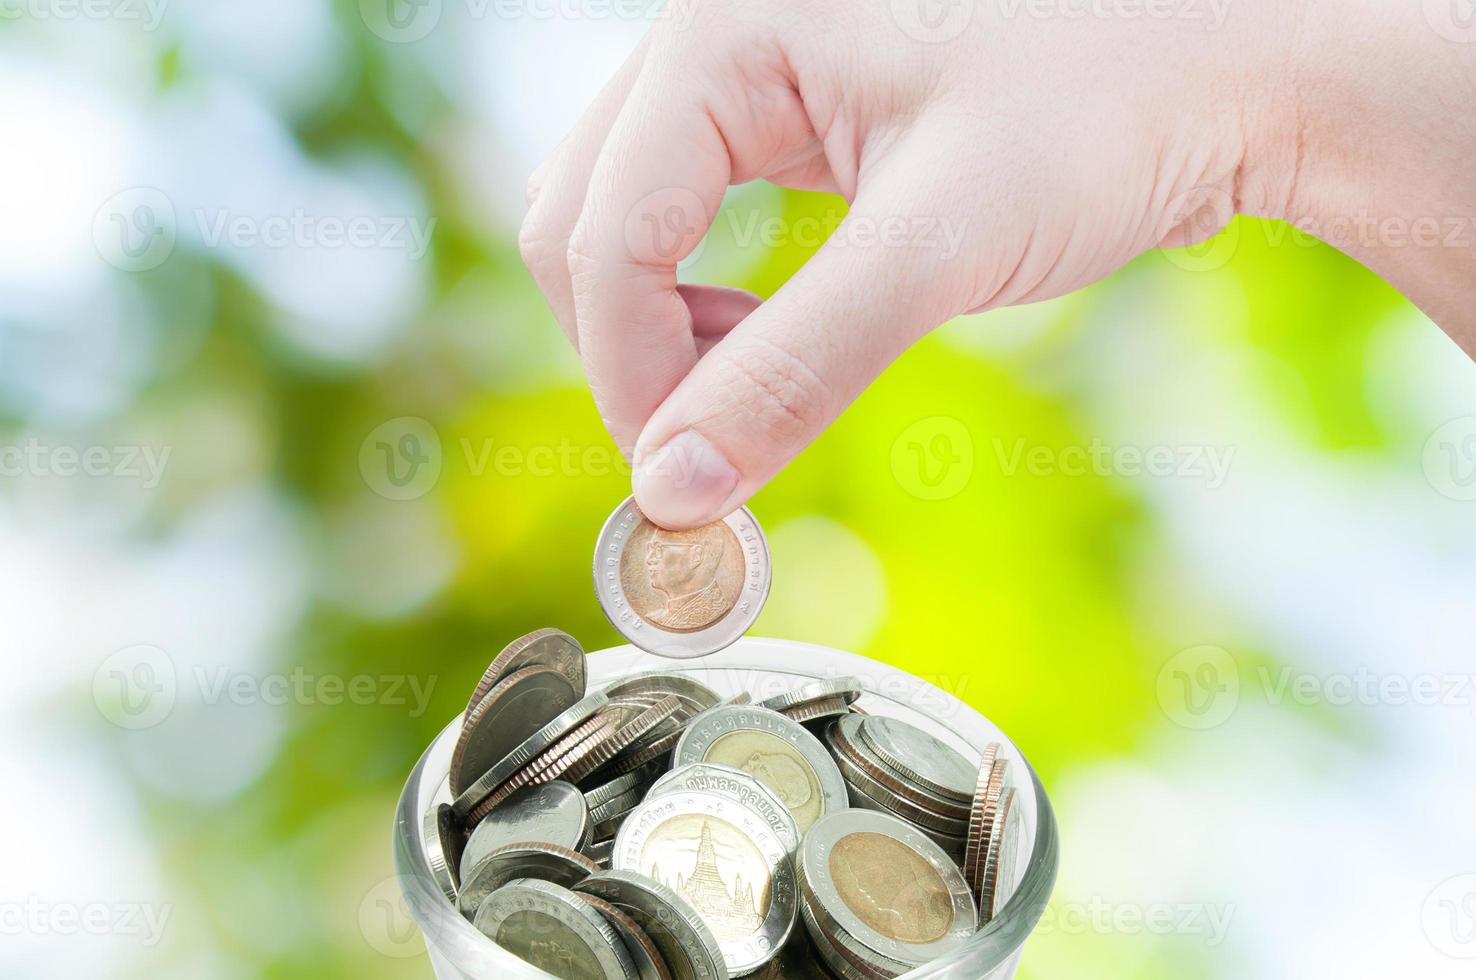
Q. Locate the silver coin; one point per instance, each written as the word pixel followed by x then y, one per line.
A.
pixel 554 813
pixel 953 845
pixel 547 648
pixel 695 696
pixel 642 948
pixel 531 859
pixel 686 943
pixel 681 593
pixel 864 770
pixel 724 860
pixel 533 746
pixel 998 876
pixel 817 711
pixel 620 785
pixel 712 777
pixel 551 928
pixel 513 710
pixel 887 886
pixel 848 688
pixel 780 753
pixel 618 807
pixel 825 943
pixel 443 847
pixel 599 852
pixel 920 757
pixel 993 778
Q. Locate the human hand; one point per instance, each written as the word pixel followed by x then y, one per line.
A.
pixel 1063 147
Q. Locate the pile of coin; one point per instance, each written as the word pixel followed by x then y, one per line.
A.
pixel 651 829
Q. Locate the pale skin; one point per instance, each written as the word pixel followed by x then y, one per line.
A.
pixel 1061 146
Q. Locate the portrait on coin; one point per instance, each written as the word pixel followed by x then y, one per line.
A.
pixel 891 888
pixel 682 581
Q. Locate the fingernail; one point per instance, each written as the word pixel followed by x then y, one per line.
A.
pixel 684 483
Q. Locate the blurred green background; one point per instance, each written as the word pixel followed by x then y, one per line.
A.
pixel 1241 459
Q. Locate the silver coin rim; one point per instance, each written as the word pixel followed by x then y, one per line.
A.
pixel 814 859
pixel 820 689
pixel 870 730
pixel 741 955
pixel 757 578
pixel 699 736
pixel 704 955
pixel 569 800
pixel 521 851
pixel 765 803
pixel 583 920
pixel 511 764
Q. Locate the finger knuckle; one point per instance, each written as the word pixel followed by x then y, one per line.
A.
pixel 535 244
pixel 778 389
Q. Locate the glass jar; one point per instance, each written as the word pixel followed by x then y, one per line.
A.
pixel 764 668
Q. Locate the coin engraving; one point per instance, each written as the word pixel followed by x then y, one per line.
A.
pixel 548 944
pixel 682 580
pixel 891 888
pixel 775 763
pixel 717 869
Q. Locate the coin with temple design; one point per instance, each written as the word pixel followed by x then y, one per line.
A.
pixel 681 593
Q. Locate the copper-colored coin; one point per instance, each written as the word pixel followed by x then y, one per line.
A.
pixel 682 581
pixel 818 710
pixel 879 784
pixel 999 858
pixel 629 733
pixel 993 774
pixel 529 775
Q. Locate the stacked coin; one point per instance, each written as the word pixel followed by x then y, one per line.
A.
pixel 896 768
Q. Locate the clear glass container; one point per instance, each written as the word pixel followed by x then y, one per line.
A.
pixel 764 668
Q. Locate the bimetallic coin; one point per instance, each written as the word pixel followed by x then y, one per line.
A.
pixel 531 748
pixel 998 875
pixel 553 929
pixel 642 949
pixel 780 753
pixel 826 944
pixel 532 859
pixel 687 945
pixel 553 812
pixel 799 960
pixel 541 648
pixel 887 886
pixel 847 688
pixel 919 757
pixel 954 846
pixel 516 708
pixel 681 593
pixel 724 860
pixel 443 846
pixel 711 777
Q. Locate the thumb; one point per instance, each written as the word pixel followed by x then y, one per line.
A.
pixel 778 378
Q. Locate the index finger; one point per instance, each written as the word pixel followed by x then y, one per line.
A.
pixel 653 194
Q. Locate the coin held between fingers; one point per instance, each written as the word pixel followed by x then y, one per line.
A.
pixel 685 483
